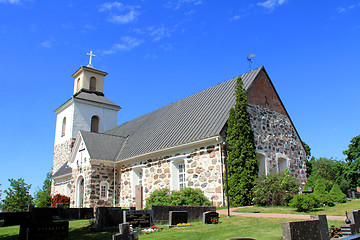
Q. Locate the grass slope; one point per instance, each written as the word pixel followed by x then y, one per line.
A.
pixel 338 210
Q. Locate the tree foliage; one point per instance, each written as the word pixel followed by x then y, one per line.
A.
pixel 352 173
pixel 336 195
pixel 184 197
pixel 275 189
pixel 242 163
pixel 305 202
pixel 17 196
pixel 42 196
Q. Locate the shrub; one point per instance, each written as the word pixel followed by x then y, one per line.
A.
pixel 305 202
pixel 184 197
pixel 321 192
pixel 275 189
pixel 336 195
pixel 58 198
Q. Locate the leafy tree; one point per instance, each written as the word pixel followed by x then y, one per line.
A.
pixel 353 162
pixel 17 196
pixel 42 196
pixel 275 189
pixel 305 202
pixel 336 195
pixel 307 150
pixel 321 191
pixel 242 163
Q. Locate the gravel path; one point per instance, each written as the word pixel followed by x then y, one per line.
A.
pixel 274 215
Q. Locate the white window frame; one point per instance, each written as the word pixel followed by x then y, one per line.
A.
pixel 134 177
pixel 174 168
pixel 283 159
pixel 104 190
pixel 181 175
pixel 263 157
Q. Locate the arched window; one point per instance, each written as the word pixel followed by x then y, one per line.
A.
pixel 95 120
pixel 92 84
pixel 104 189
pixel 78 85
pixel 80 192
pixel 63 127
pixel 262 163
pixel 282 164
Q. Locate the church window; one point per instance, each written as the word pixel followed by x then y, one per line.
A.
pixel 95 120
pixel 282 164
pixel 92 84
pixel 63 128
pixel 181 168
pixel 138 176
pixel 104 187
pixel 262 163
pixel 78 85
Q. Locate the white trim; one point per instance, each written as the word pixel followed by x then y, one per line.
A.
pixel 265 162
pixel 77 194
pixel 172 148
pixel 106 184
pixel 280 155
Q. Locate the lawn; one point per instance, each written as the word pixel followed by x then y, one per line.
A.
pixel 257 228
pixel 338 210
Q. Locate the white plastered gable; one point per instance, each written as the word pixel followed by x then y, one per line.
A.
pixel 80 156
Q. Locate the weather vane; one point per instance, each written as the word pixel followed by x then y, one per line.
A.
pixel 250 60
pixel 91 55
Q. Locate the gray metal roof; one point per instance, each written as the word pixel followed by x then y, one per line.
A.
pixel 63 170
pixel 199 116
pixel 93 97
pixel 102 146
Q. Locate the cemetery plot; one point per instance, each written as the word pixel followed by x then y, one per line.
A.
pixel 176 217
pixel 139 218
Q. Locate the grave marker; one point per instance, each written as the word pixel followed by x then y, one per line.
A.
pixel 210 217
pixel 139 218
pixel 176 217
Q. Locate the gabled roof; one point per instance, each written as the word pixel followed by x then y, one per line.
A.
pixel 94 97
pixel 102 146
pixel 63 170
pixel 196 117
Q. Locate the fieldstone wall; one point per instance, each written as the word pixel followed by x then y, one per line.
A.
pixel 93 175
pixel 62 153
pixel 275 136
pixel 202 170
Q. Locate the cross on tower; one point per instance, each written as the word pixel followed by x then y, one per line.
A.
pixel 91 55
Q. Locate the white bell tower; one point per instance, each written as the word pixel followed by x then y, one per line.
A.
pixel 86 110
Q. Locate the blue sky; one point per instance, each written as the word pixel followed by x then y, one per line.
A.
pixel 157 52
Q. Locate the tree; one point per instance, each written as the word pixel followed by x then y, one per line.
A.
pixel 307 150
pixel 242 164
pixel 17 196
pixel 58 198
pixel 353 162
pixel 42 196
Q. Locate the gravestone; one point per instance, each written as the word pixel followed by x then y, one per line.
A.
pixel 301 230
pixel 354 217
pixel 348 229
pixel 324 230
pixel 210 217
pixel 109 217
pixel 176 217
pixel 139 218
pixel 125 233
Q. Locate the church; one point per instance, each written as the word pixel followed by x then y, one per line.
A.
pixel 97 163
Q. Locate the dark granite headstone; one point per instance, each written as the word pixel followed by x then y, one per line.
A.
pixel 126 233
pixel 324 230
pixel 348 229
pixel 139 218
pixel 354 217
pixel 210 218
pixel 176 217
pixel 44 230
pixel 109 217
pixel 301 230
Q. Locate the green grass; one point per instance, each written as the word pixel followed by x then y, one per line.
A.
pixel 338 210
pixel 258 228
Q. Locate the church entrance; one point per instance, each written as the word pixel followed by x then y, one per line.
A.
pixel 80 193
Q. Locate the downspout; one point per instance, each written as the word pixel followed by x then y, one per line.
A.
pixel 221 172
pixel 114 195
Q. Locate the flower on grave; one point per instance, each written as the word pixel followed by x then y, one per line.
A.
pixel 153 227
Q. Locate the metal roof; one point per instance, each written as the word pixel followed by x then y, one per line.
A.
pixel 93 97
pixel 199 116
pixel 102 146
pixel 63 170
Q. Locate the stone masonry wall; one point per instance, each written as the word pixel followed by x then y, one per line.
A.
pixel 202 170
pixel 93 176
pixel 62 153
pixel 274 135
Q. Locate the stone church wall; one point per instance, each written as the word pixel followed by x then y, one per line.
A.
pixel 202 170
pixel 62 153
pixel 276 137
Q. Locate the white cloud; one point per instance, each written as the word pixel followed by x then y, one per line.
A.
pixel 126 18
pixel 127 43
pixel 16 2
pixel 119 12
pixel 47 44
pixel 159 33
pixel 345 9
pixel 271 4
pixel 177 4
